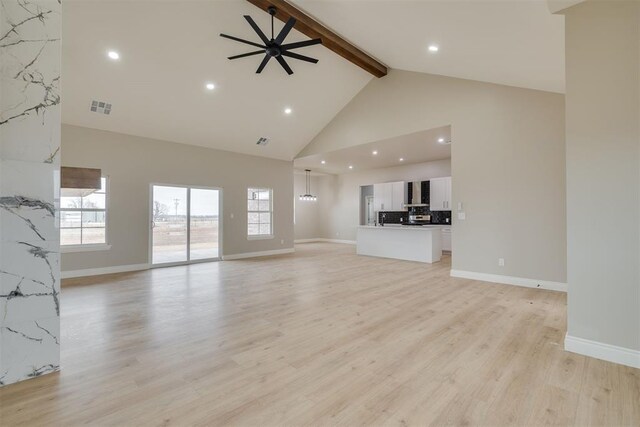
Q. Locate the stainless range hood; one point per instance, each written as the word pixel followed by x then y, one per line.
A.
pixel 416 195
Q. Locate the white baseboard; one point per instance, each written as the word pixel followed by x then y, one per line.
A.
pixel 602 351
pixel 257 254
pixel 320 239
pixel 69 274
pixel 509 280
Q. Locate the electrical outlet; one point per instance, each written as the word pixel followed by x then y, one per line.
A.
pixel 500 262
pixel 231 216
pixel 337 233
pixel 282 242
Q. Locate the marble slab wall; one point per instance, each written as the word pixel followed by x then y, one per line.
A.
pixel 30 51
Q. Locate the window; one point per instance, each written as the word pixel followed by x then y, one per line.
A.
pixel 259 213
pixel 83 218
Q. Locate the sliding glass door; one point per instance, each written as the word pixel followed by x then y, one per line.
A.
pixel 204 226
pixel 184 224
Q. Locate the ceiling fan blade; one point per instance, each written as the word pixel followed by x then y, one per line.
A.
pixel 300 57
pixel 256 29
pixel 300 44
pixel 242 41
pixel 263 64
pixel 285 30
pixel 284 64
pixel 247 54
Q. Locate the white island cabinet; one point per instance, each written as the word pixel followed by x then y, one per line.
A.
pixel 422 244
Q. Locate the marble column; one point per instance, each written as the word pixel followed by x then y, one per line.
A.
pixel 30 51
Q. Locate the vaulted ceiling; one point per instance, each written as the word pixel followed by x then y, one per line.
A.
pixel 169 50
pixel 513 42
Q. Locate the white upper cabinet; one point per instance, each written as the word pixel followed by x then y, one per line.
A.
pixel 389 196
pixel 382 197
pixel 440 194
pixel 399 195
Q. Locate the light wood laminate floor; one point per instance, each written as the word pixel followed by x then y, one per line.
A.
pixel 320 337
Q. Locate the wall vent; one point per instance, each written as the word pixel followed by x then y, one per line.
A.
pixel 262 141
pixel 100 107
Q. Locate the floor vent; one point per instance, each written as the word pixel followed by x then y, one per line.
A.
pixel 100 107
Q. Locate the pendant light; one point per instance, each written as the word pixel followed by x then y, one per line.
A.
pixel 308 196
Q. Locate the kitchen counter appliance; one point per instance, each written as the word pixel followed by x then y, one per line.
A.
pixel 419 219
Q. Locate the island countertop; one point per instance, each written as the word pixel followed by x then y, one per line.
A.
pixel 406 227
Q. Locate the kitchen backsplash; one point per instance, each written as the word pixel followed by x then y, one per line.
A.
pixel 441 217
pixel 399 217
pixel 393 217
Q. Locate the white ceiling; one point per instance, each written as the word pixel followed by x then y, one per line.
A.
pixel 418 147
pixel 510 42
pixel 169 49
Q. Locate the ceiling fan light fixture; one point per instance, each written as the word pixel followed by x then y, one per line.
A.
pixel 274 47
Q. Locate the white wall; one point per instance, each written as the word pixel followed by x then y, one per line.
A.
pixel 308 220
pixel 133 163
pixel 508 164
pixel 603 173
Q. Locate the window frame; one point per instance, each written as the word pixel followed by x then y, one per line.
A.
pixel 271 234
pixel 88 247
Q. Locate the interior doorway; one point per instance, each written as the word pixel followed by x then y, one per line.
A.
pixel 370 211
pixel 185 224
pixel 367 212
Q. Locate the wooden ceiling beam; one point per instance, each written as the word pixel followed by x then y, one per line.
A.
pixel 315 30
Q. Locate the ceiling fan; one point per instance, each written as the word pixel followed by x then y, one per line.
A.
pixel 274 48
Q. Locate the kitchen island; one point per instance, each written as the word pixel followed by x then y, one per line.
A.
pixel 410 243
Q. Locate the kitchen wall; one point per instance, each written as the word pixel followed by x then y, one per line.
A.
pixel 603 172
pixel 508 164
pixel 29 190
pixel 341 219
pixel 133 163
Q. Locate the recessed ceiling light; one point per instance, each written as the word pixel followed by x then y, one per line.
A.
pixel 323 162
pixel 288 110
pixel 401 159
pixel 433 48
pixel 441 140
pixel 113 55
pixel 375 152
pixel 210 86
pixel 350 166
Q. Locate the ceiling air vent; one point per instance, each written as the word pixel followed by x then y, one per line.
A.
pixel 262 141
pixel 100 107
